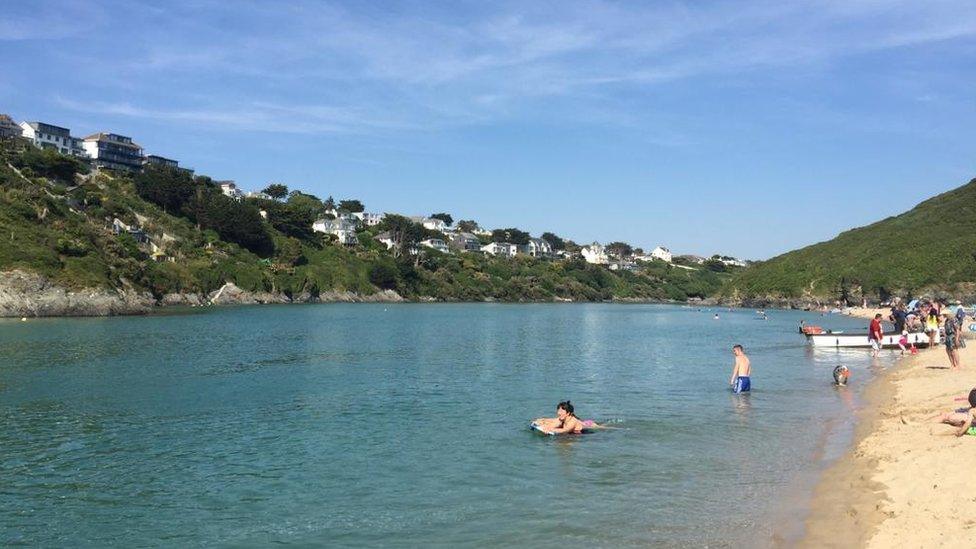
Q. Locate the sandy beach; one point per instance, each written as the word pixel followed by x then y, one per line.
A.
pixel 907 482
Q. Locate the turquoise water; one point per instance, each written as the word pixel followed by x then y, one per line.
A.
pixel 405 425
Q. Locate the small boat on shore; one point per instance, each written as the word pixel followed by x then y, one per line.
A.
pixel 888 341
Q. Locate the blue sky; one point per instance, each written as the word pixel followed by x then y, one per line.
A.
pixel 747 128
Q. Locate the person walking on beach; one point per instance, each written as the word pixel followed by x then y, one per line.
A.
pixel 875 335
pixel 953 336
pixel 932 326
pixel 898 316
pixel 741 370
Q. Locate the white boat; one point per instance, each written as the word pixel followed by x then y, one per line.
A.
pixel 861 340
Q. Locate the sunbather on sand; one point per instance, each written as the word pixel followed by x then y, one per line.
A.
pixel 964 419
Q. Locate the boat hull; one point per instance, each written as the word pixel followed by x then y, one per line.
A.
pixel 888 341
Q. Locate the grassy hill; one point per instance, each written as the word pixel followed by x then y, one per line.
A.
pixel 56 220
pixel 930 249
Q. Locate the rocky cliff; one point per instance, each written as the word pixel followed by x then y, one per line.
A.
pixel 24 294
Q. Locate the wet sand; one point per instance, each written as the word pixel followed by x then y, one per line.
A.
pixel 908 482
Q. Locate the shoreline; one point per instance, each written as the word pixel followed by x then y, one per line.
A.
pixel 27 295
pixel 899 482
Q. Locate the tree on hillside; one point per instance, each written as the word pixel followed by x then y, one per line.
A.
pixel 351 206
pixel 445 217
pixel 554 241
pixel 292 219
pixel 511 235
pixel 404 232
pixel 467 225
pixel 276 191
pixel 715 265
pixel 233 221
pixel 330 203
pixel 619 249
pixel 309 204
pixel 166 187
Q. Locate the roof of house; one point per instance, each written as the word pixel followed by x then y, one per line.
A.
pixel 157 157
pixel 35 125
pixel 114 138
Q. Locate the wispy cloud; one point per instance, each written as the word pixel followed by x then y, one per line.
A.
pixel 308 67
pixel 255 117
pixel 48 20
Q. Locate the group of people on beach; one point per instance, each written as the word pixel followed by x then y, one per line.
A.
pixel 931 317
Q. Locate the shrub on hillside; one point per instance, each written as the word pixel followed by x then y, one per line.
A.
pixel 383 275
pixel 51 164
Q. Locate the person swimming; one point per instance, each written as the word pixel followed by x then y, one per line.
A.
pixel 565 421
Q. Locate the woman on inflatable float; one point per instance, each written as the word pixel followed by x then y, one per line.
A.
pixel 564 423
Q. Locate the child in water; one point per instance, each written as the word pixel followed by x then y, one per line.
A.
pixel 841 375
pixel 903 341
pixel 565 421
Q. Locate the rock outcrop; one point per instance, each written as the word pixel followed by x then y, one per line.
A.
pixel 29 294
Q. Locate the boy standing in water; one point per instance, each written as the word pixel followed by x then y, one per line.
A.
pixel 740 371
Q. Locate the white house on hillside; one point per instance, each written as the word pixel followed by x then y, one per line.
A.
pixel 369 219
pixel 466 242
pixel 258 194
pixel 386 239
pixel 661 253
pixel 49 136
pixel 113 151
pixel 503 249
pixel 343 229
pixel 595 254
pixel 437 244
pixel 538 247
pixel 229 188
pixel 734 262
pixel 430 223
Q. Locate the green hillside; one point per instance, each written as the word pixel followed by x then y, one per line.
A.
pixel 930 249
pixel 56 220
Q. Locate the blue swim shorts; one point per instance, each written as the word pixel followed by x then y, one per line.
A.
pixel 741 385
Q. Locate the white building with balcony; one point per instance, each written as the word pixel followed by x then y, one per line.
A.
pixel 436 244
pixel 537 247
pixel 343 229
pixel 49 136
pixel 595 254
pixel 369 219
pixel 113 151
pixel 501 249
